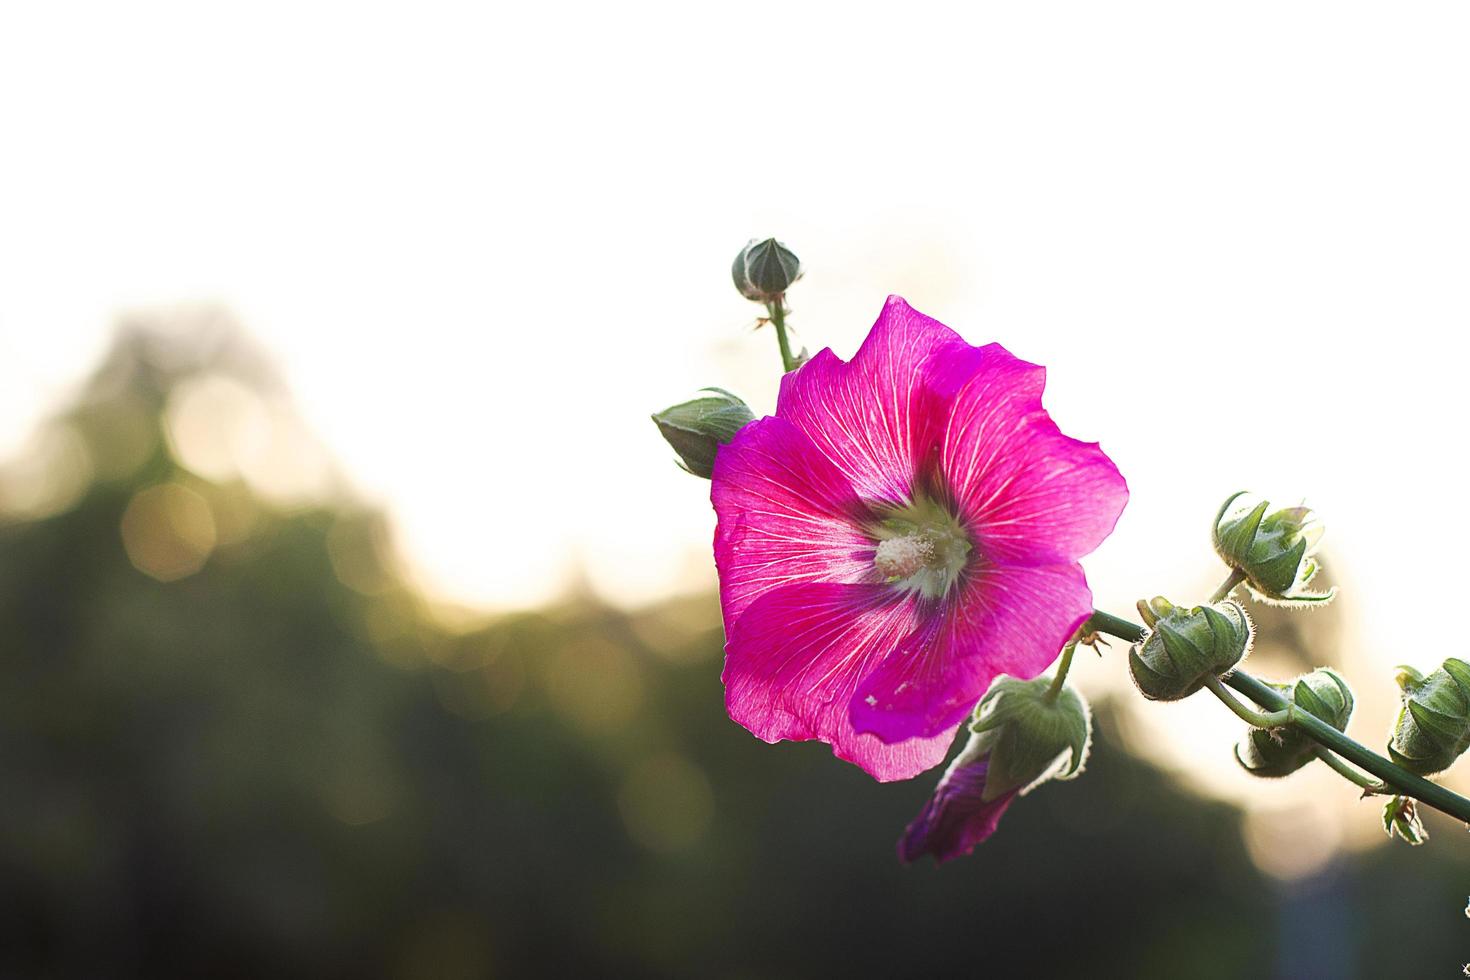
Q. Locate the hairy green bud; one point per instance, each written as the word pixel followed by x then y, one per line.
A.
pixel 1272 549
pixel 1033 736
pixel 697 429
pixel 1280 752
pixel 1183 647
pixel 1433 726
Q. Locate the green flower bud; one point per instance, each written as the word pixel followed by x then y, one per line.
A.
pixel 1183 647
pixel 1272 549
pixel 1401 816
pixel 1033 737
pixel 1280 752
pixel 764 270
pixel 697 429
pixel 1433 726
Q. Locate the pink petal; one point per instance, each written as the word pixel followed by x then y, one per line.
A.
pixel 1030 494
pixel 880 416
pixel 797 654
pixel 956 817
pixel 1001 620
pixel 785 515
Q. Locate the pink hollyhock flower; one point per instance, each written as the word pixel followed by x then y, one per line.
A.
pixel 905 528
pixel 957 816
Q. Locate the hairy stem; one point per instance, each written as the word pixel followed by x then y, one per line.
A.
pixel 1395 777
pixel 1348 772
pixel 1276 719
pixel 1228 586
pixel 777 309
pixel 1102 622
pixel 1062 668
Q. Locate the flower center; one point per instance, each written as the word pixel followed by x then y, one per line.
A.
pixel 920 546
pixel 902 557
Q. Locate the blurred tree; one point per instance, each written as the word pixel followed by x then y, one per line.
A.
pixel 233 743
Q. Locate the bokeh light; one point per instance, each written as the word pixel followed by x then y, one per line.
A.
pixel 168 531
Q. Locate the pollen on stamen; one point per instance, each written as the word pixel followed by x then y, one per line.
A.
pixel 901 557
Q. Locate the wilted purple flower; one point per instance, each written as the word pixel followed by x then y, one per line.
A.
pixel 957 816
pixel 905 528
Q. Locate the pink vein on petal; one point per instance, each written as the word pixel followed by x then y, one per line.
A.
pixel 785 515
pixel 1030 494
pixel 880 415
pixel 795 657
pixel 1004 621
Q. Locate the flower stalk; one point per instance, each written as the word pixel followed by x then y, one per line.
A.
pixel 1276 719
pixel 1063 667
pixel 1395 777
pixel 776 310
pixel 1228 586
pixel 1350 774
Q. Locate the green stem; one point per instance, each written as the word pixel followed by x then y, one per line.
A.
pixel 1395 777
pixel 1062 668
pixel 1276 719
pixel 777 309
pixel 1348 772
pixel 1228 586
pixel 1404 782
pixel 1102 622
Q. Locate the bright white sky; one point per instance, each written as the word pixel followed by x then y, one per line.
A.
pixel 484 241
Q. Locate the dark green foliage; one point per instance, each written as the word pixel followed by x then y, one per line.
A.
pixel 258 771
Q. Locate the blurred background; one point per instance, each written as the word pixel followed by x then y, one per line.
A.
pixel 356 621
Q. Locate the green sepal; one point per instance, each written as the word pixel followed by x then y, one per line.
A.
pixel 1442 726
pixel 1277 573
pixel 1460 671
pixel 1236 537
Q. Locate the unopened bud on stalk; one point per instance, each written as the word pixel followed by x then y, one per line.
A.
pixel 1035 737
pixel 1022 735
pixel 764 270
pixel 1433 726
pixel 697 429
pixel 1273 550
pixel 1280 752
pixel 1183 647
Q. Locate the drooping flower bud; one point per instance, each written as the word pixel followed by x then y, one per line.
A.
pixel 697 429
pixel 1020 739
pixel 1272 549
pixel 1280 752
pixel 1401 816
pixel 1183 647
pixel 1433 726
pixel 765 269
